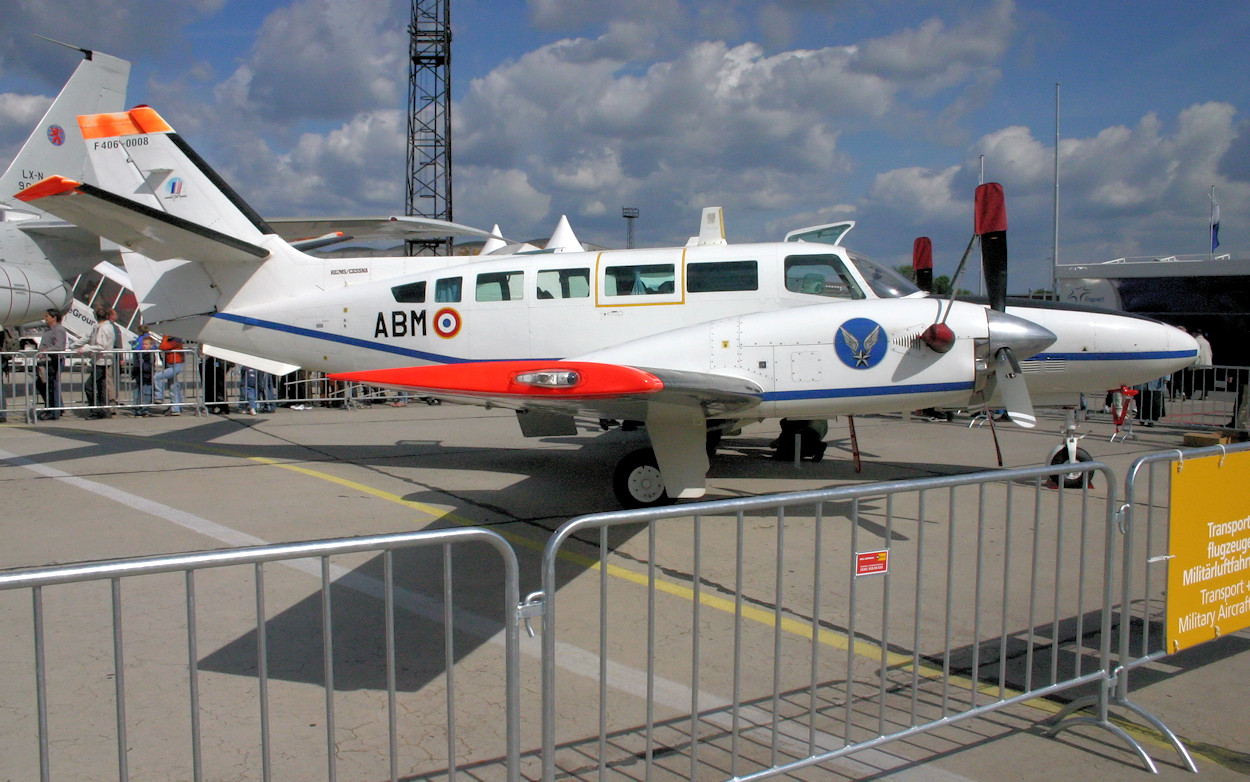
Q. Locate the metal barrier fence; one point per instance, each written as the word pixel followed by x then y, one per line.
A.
pixel 1197 398
pixel 742 639
pixel 156 650
pixel 1143 521
pixel 814 625
pixel 203 384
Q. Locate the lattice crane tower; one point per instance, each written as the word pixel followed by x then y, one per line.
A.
pixel 429 120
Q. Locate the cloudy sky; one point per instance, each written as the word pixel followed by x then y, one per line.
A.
pixel 785 112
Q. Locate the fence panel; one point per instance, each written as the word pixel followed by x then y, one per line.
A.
pixel 808 626
pixel 296 683
pixel 1141 610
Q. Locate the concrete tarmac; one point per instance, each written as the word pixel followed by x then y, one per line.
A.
pixel 78 490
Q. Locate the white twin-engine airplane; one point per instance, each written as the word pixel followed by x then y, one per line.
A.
pixel 29 282
pixel 688 340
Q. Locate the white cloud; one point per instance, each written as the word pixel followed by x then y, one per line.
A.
pixel 125 28
pixel 18 115
pixel 323 59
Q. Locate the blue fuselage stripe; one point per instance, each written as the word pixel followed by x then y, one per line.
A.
pixel 844 393
pixel 382 347
pixel 1140 355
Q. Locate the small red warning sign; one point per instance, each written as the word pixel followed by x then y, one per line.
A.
pixel 868 563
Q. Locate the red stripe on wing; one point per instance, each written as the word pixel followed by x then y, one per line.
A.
pixel 499 378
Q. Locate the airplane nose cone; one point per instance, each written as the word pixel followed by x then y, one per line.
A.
pixel 1024 337
pixel 1182 348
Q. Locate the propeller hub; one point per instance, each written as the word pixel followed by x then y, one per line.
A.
pixel 1024 337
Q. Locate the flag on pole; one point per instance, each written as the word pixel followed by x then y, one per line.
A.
pixel 1215 221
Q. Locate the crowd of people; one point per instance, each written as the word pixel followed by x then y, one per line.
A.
pixel 153 364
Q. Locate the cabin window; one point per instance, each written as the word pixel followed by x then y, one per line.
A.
pixel 641 280
pixel 500 286
pixel 821 275
pixel 409 293
pixel 447 289
pixel 722 276
pixel 563 284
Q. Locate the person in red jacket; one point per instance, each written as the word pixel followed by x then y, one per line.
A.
pixel 168 377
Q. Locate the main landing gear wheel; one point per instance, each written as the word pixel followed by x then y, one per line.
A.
pixel 1072 480
pixel 637 481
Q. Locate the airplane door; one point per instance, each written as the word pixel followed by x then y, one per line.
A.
pixel 494 316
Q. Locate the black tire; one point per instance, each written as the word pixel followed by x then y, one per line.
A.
pixel 1072 480
pixel 637 482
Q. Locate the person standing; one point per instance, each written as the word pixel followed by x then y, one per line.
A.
pixel 100 344
pixel 111 377
pixel 143 370
pixel 168 377
pixel 48 371
pixel 1205 367
pixel 1150 406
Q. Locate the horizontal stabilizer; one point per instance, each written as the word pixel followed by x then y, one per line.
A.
pixel 255 362
pixel 394 227
pixel 152 232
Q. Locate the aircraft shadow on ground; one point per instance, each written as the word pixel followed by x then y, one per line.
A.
pixel 293 636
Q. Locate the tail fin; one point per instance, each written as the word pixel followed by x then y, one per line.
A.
pixel 98 84
pixel 195 243
pixel 137 155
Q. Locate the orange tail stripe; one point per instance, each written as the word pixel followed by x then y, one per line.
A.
pixel 142 119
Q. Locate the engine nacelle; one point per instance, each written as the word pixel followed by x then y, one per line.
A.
pixel 26 293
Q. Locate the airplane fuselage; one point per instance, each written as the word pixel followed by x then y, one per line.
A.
pixel 697 308
pixel 29 285
pixel 542 305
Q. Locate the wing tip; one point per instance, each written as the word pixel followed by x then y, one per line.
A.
pixel 49 186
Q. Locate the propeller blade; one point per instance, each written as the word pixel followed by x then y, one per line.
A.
pixel 991 226
pixel 1013 390
pixel 922 263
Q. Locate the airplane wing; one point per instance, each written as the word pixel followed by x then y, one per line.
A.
pixel 605 390
pixel 154 233
pixel 394 227
pixel 674 404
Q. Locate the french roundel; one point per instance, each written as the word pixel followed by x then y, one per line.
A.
pixel 447 323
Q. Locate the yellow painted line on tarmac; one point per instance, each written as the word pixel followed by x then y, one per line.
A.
pixel 793 626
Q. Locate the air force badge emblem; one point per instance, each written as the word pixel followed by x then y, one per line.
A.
pixel 860 343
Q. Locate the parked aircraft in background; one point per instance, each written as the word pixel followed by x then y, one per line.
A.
pixel 29 283
pixel 41 257
pixel 683 339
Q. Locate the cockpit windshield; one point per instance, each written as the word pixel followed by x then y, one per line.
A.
pixel 885 282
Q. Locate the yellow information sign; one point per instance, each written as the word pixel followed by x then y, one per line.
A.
pixel 1209 542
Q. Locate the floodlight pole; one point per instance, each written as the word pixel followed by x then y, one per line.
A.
pixel 428 192
pixel 630 213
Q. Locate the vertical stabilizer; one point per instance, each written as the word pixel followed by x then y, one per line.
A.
pixel 711 227
pixel 56 145
pixel 137 155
